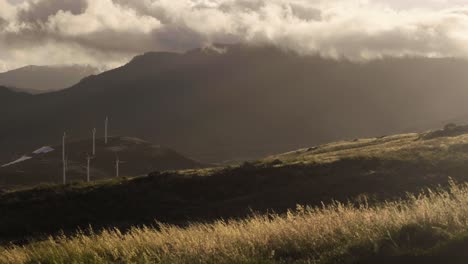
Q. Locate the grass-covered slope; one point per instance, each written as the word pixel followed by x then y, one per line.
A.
pixel 447 145
pixel 380 169
pixel 420 229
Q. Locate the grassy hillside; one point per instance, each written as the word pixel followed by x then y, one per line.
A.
pixel 446 145
pixel 374 170
pixel 426 228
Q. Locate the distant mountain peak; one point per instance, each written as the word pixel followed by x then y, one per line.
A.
pixel 153 55
pixel 39 79
pixel 216 49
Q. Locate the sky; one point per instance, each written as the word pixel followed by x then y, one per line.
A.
pixel 108 33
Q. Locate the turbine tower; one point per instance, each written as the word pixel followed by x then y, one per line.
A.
pixel 117 162
pixel 94 141
pixel 88 159
pixel 106 124
pixel 65 166
pixel 63 145
pixel 64 159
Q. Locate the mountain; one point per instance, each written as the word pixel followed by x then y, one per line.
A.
pixel 137 157
pixel 40 79
pixel 7 94
pixel 242 102
pixel 11 98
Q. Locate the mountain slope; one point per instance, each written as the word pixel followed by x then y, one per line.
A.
pixel 8 94
pixel 40 79
pixel 248 102
pixel 373 169
pixel 12 101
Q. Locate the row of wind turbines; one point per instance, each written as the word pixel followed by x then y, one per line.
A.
pixel 89 157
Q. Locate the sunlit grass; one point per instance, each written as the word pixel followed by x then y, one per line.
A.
pixel 406 147
pixel 313 235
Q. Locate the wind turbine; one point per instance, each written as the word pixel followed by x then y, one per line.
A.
pixel 64 160
pixel 63 145
pixel 117 162
pixel 65 166
pixel 94 141
pixel 117 166
pixel 106 124
pixel 88 170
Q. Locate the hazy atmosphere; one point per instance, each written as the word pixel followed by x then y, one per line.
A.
pixel 107 33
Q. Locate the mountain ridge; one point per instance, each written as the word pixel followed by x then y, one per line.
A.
pixel 248 102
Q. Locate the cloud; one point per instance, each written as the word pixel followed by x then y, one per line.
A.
pixel 107 33
pixel 3 23
pixel 40 11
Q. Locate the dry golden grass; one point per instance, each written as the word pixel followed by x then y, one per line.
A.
pixel 400 147
pixel 307 235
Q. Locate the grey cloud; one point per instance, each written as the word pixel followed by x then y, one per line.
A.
pixel 3 23
pixel 306 13
pixel 243 5
pixel 113 42
pixel 110 31
pixel 40 11
pixel 182 38
pixel 141 7
pixel 177 38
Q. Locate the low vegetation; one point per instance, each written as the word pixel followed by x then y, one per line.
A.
pixel 422 225
pixel 448 144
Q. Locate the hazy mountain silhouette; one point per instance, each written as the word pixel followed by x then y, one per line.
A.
pixel 40 79
pixel 245 102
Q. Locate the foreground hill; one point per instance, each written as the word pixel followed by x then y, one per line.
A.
pixel 374 170
pixel 428 229
pixel 40 79
pixel 246 102
pixel 137 157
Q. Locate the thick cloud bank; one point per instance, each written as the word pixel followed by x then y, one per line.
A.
pixel 106 33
